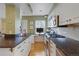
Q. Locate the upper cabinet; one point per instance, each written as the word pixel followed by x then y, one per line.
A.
pixel 2 10
pixel 74 20
pixel 68 13
pixel 63 20
pixel 68 21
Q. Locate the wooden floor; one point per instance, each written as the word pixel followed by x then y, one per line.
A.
pixel 38 49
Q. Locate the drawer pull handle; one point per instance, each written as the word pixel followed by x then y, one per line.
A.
pixel 18 47
pixel 22 50
pixel 24 42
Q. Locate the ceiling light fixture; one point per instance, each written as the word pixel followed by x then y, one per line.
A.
pixel 45 16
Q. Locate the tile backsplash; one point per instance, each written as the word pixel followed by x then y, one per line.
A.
pixel 70 32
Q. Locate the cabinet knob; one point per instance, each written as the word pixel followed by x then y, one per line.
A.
pixel 22 50
pixel 18 47
pixel 24 42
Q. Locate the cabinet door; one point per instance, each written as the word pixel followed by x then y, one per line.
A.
pixel 63 20
pixel 17 51
pixel 20 51
pixel 32 39
pixel 67 20
pixel 26 48
pixel 74 20
pixel 23 48
pixel 23 51
pixel 52 49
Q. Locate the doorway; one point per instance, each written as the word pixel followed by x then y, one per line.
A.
pixel 40 25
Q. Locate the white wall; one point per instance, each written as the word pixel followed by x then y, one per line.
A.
pixel 2 10
pixel 2 16
pixel 67 11
pixel 25 10
pixel 40 24
pixel 17 21
pixel 0 26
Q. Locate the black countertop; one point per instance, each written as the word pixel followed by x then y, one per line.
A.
pixel 68 46
pixel 11 42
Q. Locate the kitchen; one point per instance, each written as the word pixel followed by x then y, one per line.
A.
pixel 26 29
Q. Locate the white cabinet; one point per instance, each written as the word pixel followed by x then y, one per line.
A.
pixel 18 50
pixel 52 48
pixel 67 21
pixel 63 20
pixel 31 38
pixel 69 14
pixel 21 49
pixel 2 10
pixel 74 20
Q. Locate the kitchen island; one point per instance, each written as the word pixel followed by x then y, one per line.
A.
pixel 15 46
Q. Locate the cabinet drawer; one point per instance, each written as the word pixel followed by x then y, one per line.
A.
pixel 52 51
pixel 23 48
pixel 18 47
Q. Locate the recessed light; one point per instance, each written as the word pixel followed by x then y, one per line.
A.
pixel 45 16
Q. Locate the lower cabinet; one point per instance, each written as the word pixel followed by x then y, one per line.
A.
pixel 21 49
pixel 52 49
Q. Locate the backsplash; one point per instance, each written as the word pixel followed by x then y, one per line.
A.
pixel 70 32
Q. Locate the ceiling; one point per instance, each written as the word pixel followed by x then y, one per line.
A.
pixel 31 9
